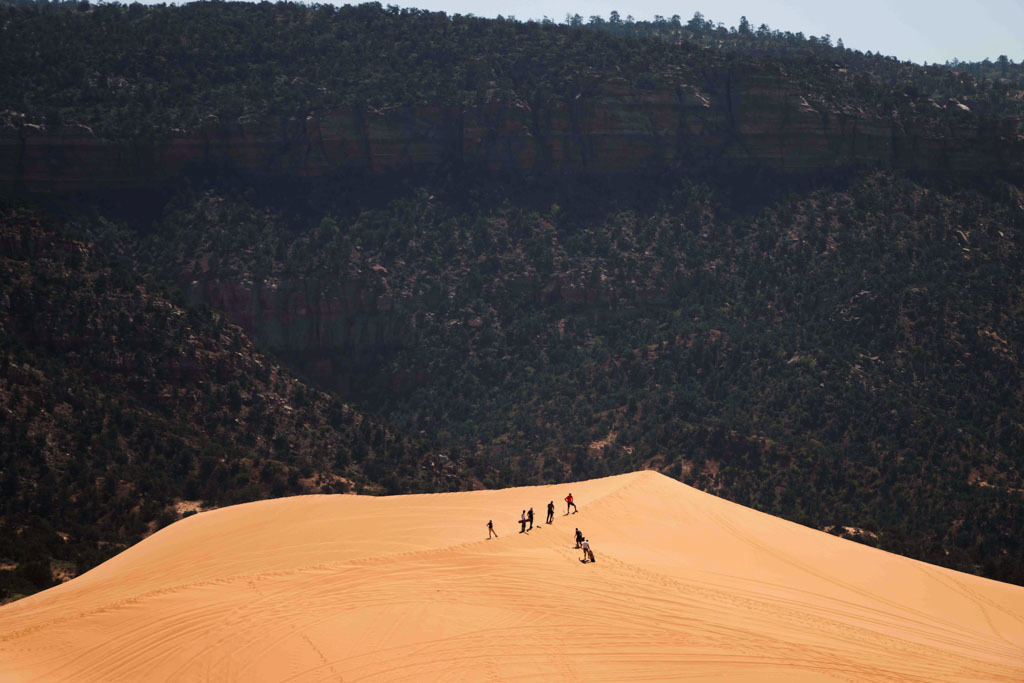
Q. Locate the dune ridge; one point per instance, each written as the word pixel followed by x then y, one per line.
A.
pixel 332 588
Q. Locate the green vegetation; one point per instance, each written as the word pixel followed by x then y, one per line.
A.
pixel 843 351
pixel 117 404
pixel 130 71
pixel 840 354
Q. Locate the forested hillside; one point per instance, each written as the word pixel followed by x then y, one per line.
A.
pixel 806 320
pixel 133 70
pixel 120 411
pixel 846 354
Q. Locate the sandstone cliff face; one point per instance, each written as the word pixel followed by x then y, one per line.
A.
pixel 325 329
pixel 740 118
pixel 304 313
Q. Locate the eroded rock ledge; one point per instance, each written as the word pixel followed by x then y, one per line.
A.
pixel 740 118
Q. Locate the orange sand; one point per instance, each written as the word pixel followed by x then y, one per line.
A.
pixel 332 588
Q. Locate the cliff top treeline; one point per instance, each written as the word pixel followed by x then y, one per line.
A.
pixel 130 71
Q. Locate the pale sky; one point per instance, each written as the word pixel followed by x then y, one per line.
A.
pixel 918 30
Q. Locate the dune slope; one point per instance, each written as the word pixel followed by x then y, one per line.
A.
pixel 331 588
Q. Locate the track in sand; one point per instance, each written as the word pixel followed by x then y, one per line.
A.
pixel 345 588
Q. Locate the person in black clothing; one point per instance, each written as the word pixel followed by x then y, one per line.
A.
pixel 529 516
pixel 490 529
pixel 579 537
pixel 551 511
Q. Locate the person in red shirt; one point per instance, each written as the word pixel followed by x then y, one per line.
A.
pixel 569 503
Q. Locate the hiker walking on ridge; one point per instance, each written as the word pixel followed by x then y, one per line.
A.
pixel 551 512
pixel 490 529
pixel 587 552
pixel 569 503
pixel 522 522
pixel 529 516
pixel 579 537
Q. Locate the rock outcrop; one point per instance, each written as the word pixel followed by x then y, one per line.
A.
pixel 324 329
pixel 751 117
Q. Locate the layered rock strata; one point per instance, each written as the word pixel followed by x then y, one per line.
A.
pixel 739 119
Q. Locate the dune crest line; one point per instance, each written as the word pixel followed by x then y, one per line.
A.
pixel 321 588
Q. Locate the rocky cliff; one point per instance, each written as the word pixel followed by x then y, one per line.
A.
pixel 323 328
pixel 739 118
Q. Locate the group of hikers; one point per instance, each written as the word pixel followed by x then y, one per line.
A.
pixel 527 518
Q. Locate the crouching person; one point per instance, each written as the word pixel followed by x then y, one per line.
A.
pixel 587 552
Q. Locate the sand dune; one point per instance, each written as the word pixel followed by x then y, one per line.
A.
pixel 343 588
